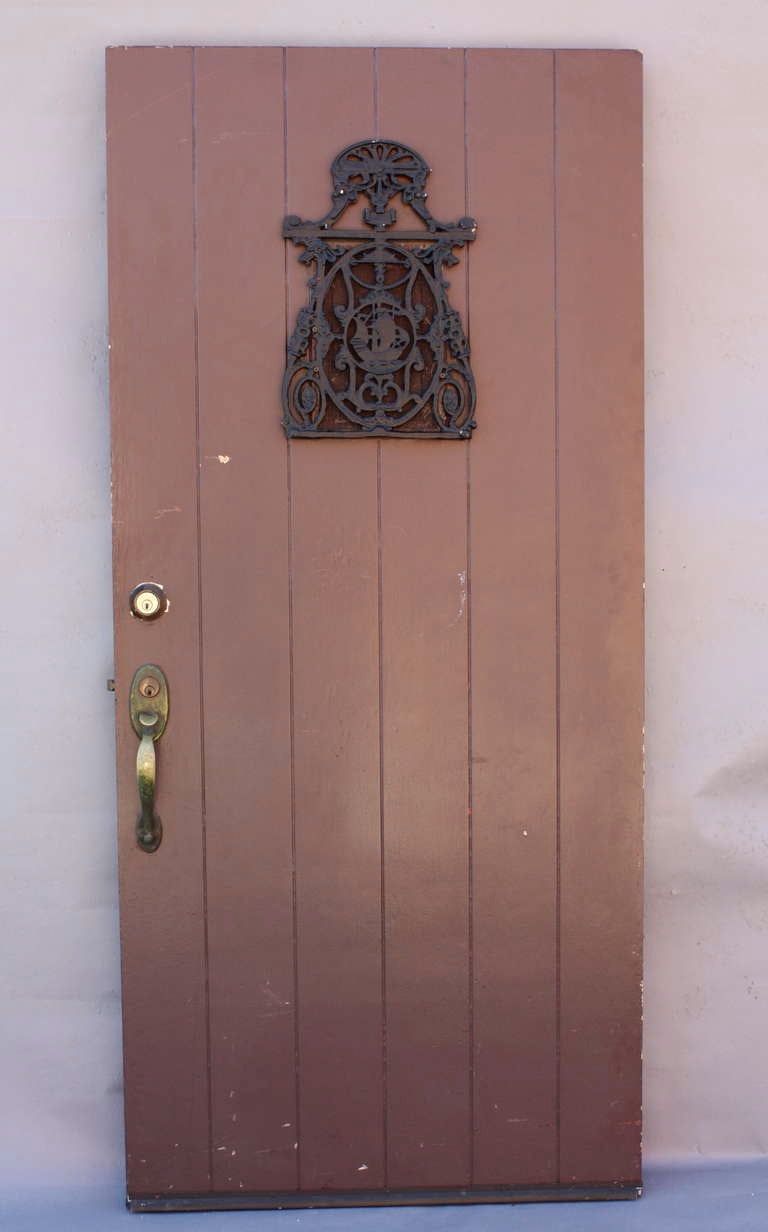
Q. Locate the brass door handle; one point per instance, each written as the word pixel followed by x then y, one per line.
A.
pixel 149 716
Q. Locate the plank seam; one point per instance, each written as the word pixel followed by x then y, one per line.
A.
pixel 376 122
pixel 291 696
pixel 384 1037
pixel 383 882
pixel 200 604
pixel 558 785
pixel 470 785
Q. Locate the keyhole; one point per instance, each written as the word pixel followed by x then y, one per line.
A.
pixel 149 687
pixel 147 601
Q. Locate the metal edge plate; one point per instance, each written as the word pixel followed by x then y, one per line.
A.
pixel 413 1197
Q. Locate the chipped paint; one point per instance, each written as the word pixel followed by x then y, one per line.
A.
pixel 462 579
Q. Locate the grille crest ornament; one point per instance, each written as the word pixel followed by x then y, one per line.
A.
pixel 378 350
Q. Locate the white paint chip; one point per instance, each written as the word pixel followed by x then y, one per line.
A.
pixel 462 579
pixel 224 458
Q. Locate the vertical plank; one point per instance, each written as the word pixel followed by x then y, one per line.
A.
pixel 244 572
pixel 599 161
pixel 336 703
pixel 154 470
pixel 425 735
pixel 510 156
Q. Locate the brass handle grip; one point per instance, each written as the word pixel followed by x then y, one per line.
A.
pixel 149 829
pixel 149 715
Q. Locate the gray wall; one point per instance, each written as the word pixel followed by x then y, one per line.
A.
pixel 707 592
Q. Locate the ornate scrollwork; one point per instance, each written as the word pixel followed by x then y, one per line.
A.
pixel 378 350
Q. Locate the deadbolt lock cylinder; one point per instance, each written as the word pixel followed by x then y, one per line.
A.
pixel 148 601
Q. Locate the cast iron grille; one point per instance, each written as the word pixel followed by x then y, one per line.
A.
pixel 378 350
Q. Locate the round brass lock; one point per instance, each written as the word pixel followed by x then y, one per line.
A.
pixel 149 686
pixel 148 601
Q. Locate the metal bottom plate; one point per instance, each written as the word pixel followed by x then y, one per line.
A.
pixel 405 1197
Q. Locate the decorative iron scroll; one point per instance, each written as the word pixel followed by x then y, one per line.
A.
pixel 378 350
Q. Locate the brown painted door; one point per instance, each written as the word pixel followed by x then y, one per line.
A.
pixel 389 946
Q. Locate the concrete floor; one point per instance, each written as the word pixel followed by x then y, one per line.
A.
pixel 709 1196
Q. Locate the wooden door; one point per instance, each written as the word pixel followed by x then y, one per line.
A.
pixel 388 949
